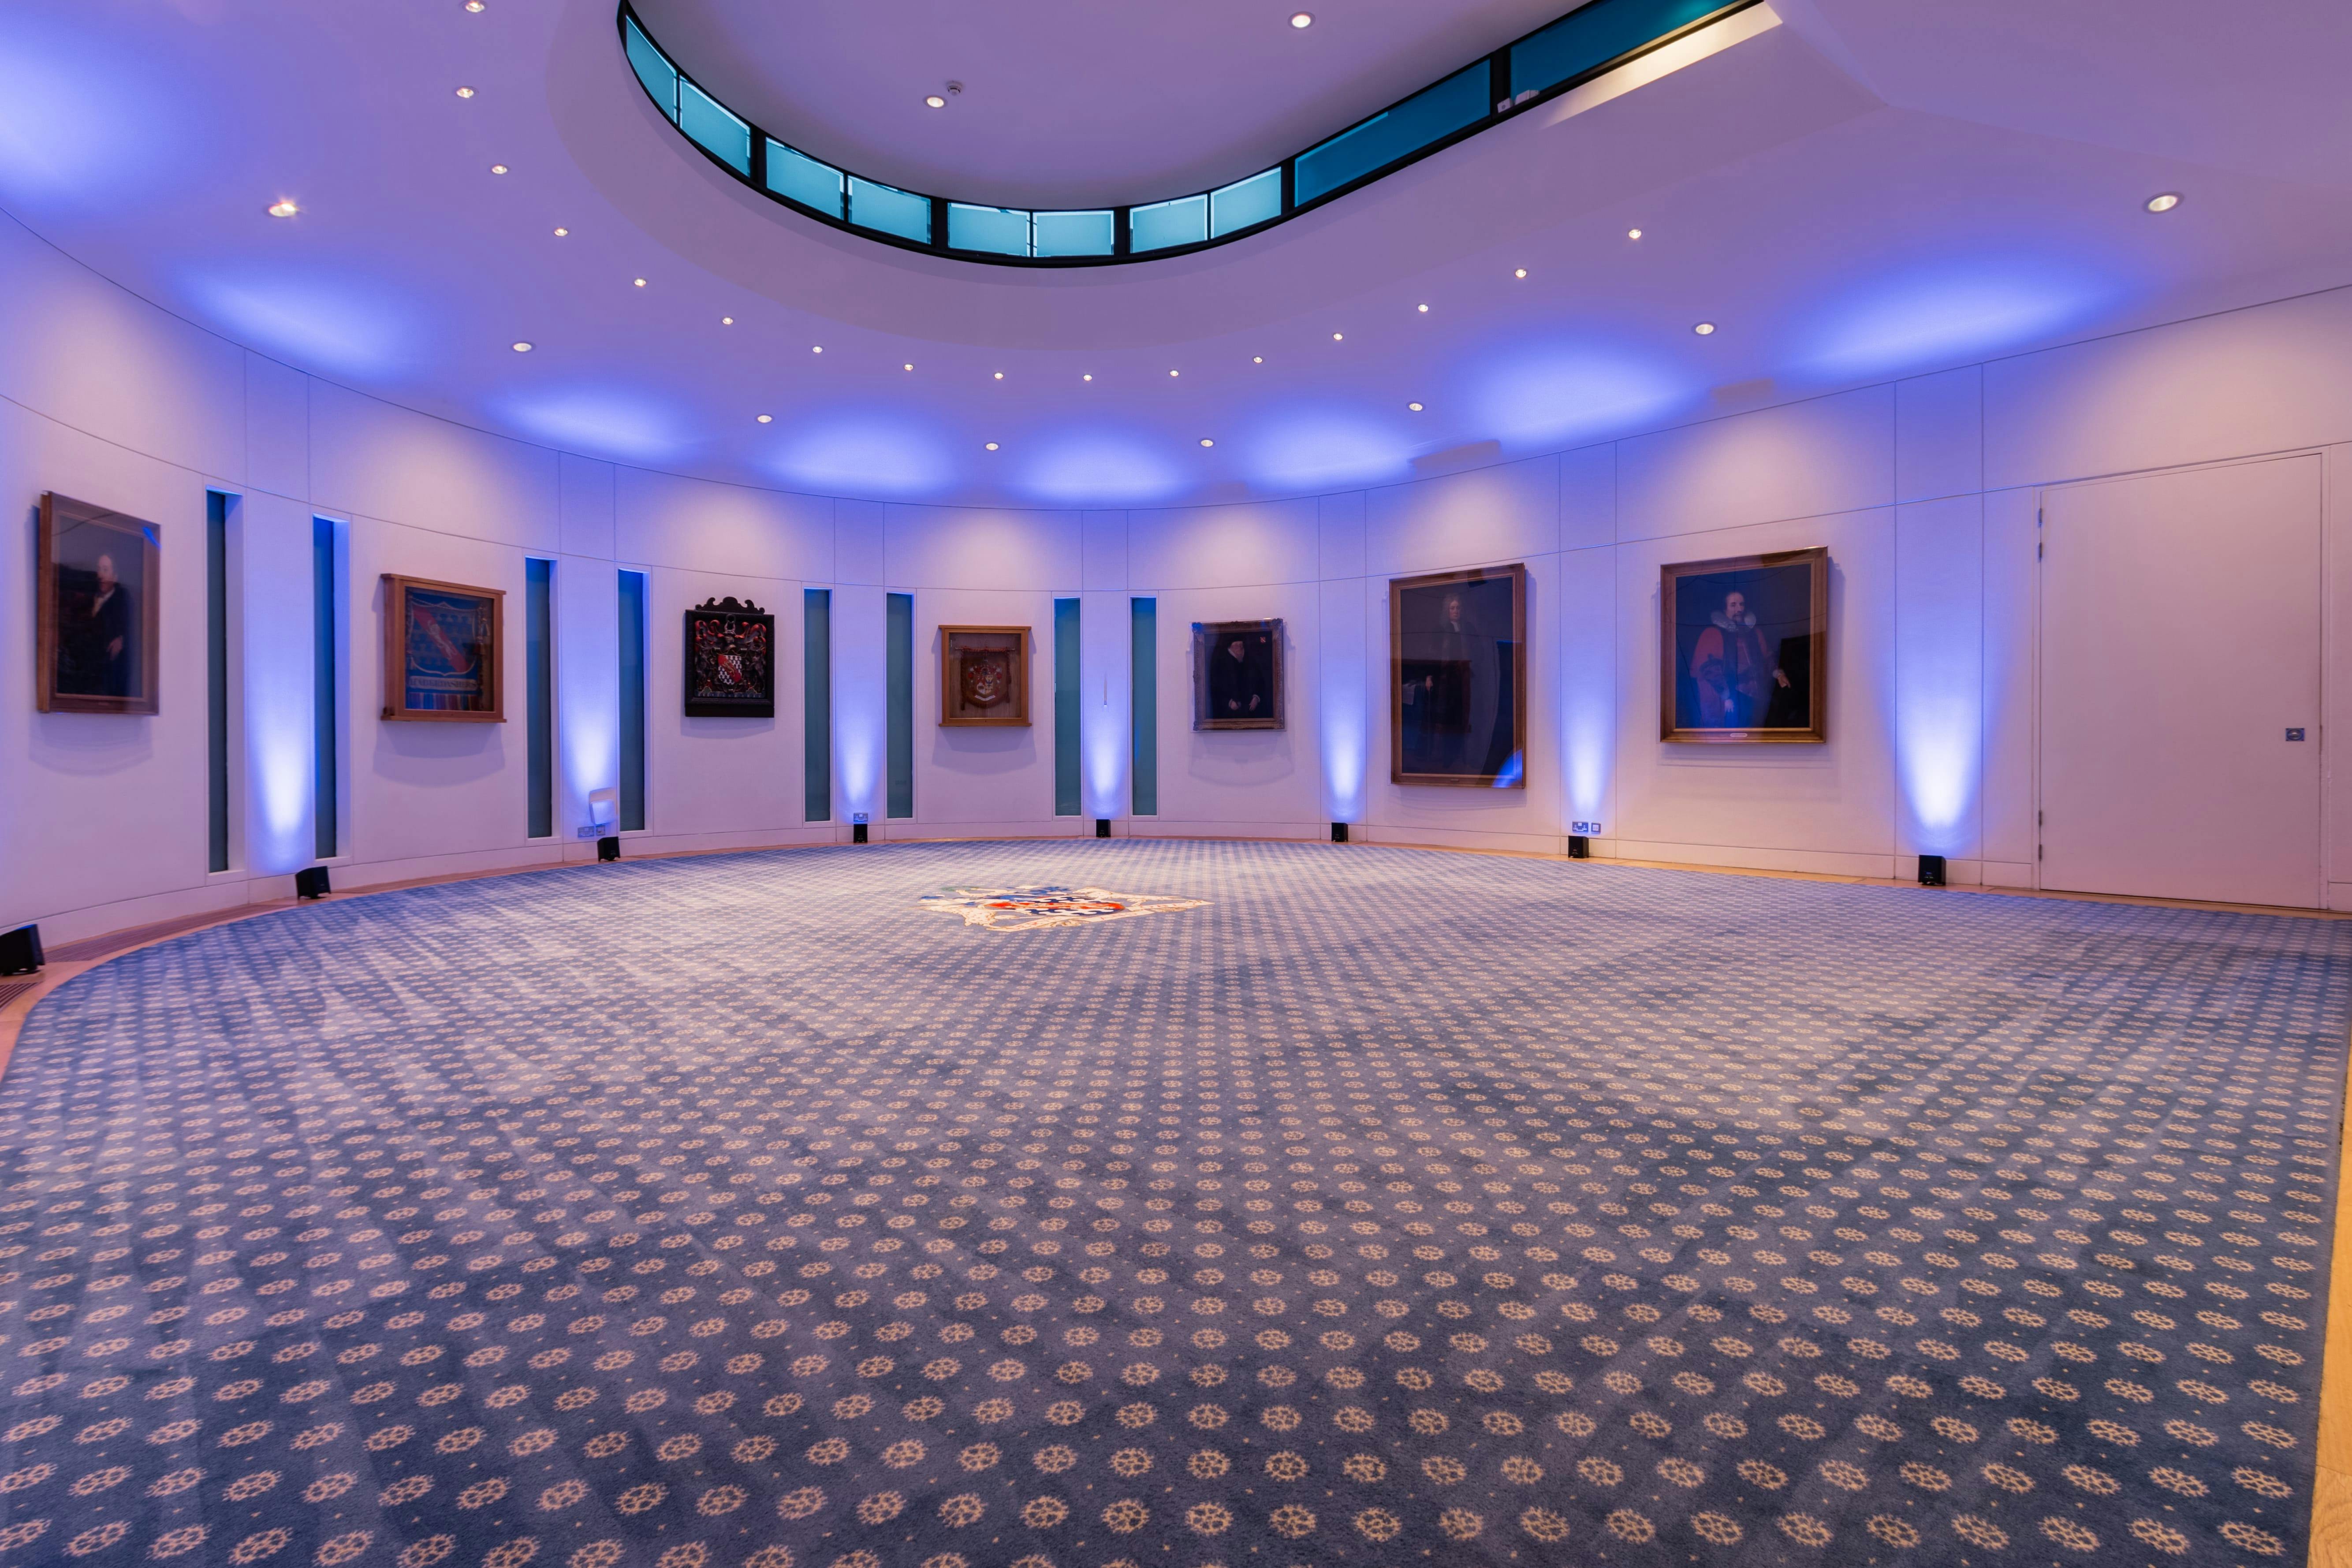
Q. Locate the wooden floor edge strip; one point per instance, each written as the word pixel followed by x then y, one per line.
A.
pixel 2331 1489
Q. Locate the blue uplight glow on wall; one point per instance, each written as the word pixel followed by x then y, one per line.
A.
pixel 1305 449
pixel 607 422
pixel 1930 317
pixel 869 453
pixel 1099 468
pixel 1937 753
pixel 1553 391
pixel 341 324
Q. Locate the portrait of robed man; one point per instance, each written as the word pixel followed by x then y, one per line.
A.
pixel 1457 677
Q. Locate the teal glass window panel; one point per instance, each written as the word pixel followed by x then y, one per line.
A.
pixel 1002 231
pixel 659 77
pixel 1427 116
pixel 725 138
pixel 1074 232
pixel 325 752
pixel 1067 802
pixel 1184 221
pixel 804 178
pixel 816 705
pixel 890 210
pixel 1596 35
pixel 1245 202
pixel 632 816
pixel 217 680
pixel 1143 699
pixel 538 696
pixel 898 705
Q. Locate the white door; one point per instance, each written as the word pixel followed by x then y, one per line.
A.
pixel 2180 661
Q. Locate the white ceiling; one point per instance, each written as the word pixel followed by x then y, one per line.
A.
pixel 1876 188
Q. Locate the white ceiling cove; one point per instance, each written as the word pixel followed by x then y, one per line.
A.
pixel 1864 191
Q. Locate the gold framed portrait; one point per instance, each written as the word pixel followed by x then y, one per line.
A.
pixel 1458 678
pixel 1744 649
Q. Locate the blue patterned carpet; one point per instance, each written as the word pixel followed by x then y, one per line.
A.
pixel 1391 1207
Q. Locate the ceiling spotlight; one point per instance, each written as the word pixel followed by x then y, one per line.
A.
pixel 473 4
pixel 561 232
pixel 1257 358
pixel 816 348
pixel 498 168
pixel 991 446
pixel 465 92
pixel 283 209
pixel 2165 203
pixel 522 348
pixel 640 282
pixel 1522 272
pixel 1632 234
pixel 1000 376
pixel 1423 308
pixel 1703 329
pixel 909 367
pixel 1414 406
pixel 1175 373
pixel 767 419
pixel 1088 376
pixel 1338 337
pixel 1206 442
pixel 935 101
pixel 1302 19
pixel 725 320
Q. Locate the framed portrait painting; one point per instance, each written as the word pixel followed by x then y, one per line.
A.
pixel 1237 675
pixel 1458 678
pixel 730 660
pixel 1744 648
pixel 442 645
pixel 983 675
pixel 99 577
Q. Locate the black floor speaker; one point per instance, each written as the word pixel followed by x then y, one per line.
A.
pixel 20 951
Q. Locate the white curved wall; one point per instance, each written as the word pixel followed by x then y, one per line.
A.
pixel 1924 492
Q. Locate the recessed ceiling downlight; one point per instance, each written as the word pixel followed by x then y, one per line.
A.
pixel 498 168
pixel 1414 406
pixel 1703 329
pixel 1522 272
pixel 935 101
pixel 1302 19
pixel 2165 203
pixel 283 208
pixel 1205 441
pixel 522 348
pixel 767 419
pixel 465 92
pixel 991 446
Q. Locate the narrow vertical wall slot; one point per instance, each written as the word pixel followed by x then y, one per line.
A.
pixel 1065 708
pixel 816 704
pixel 898 654
pixel 216 781
pixel 1143 665
pixel 326 783
pixel 632 814
pixel 538 694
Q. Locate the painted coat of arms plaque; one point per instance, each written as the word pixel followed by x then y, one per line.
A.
pixel 983 675
pixel 730 660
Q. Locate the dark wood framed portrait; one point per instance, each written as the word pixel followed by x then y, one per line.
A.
pixel 100 578
pixel 730 660
pixel 983 675
pixel 442 645
pixel 1458 678
pixel 1744 648
pixel 1237 675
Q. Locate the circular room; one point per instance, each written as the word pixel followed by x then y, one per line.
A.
pixel 895 787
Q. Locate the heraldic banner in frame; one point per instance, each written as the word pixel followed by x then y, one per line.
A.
pixel 730 660
pixel 1458 679
pixel 983 675
pixel 96 578
pixel 1237 675
pixel 442 645
pixel 1744 649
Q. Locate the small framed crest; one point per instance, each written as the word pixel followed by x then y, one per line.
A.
pixel 442 645
pixel 730 660
pixel 96 627
pixel 1744 645
pixel 983 675
pixel 1237 675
